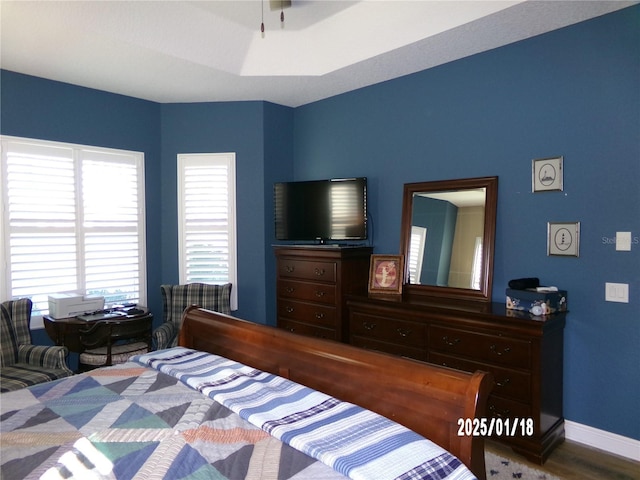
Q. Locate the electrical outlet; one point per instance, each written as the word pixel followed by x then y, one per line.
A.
pixel 616 292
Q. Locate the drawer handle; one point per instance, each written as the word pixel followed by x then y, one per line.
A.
pixel 320 293
pixel 403 332
pixel 319 271
pixel 368 326
pixel 495 413
pixel 289 268
pixel 290 289
pixel 446 340
pixel 504 383
pixel 494 349
pixel 289 309
pixel 319 315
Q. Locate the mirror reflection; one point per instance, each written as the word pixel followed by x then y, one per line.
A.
pixel 447 238
pixel 447 230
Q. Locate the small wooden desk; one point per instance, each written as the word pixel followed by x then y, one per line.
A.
pixel 66 331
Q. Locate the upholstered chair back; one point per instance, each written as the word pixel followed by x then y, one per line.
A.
pixel 21 363
pixel 14 329
pixel 176 298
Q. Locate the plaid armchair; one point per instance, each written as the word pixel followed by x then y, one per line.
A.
pixel 23 364
pixel 176 298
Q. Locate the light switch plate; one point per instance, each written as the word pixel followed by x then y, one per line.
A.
pixel 623 241
pixel 616 292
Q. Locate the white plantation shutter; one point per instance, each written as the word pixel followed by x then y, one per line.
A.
pixel 73 222
pixel 476 271
pixel 416 253
pixel 207 220
pixel 112 247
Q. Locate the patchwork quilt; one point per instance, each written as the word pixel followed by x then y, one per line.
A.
pixel 182 414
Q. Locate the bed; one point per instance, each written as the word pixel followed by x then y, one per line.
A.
pixel 238 400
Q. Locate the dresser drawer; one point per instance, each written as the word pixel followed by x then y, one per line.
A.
pixel 507 383
pixel 315 292
pixel 505 408
pixel 306 329
pixel 388 330
pixel 307 270
pixel 322 315
pixel 393 348
pixel 494 349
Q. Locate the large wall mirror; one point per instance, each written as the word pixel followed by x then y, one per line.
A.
pixel 447 238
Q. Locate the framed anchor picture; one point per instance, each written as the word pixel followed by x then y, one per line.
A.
pixel 546 175
pixel 386 274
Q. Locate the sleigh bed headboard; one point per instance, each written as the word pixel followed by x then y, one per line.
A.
pixel 425 398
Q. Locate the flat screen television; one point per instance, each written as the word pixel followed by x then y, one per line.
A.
pixel 321 210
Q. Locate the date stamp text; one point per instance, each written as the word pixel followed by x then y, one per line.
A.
pixel 499 427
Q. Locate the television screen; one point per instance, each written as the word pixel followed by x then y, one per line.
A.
pixel 321 210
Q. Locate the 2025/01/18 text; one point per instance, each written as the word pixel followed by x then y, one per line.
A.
pixel 500 427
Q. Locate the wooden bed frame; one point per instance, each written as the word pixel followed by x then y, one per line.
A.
pixel 426 398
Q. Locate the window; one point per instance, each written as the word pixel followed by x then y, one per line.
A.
pixel 207 221
pixel 416 253
pixel 476 270
pixel 72 222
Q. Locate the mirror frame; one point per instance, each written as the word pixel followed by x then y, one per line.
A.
pixel 491 203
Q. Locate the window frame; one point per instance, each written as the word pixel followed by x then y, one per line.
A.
pixel 417 243
pixel 79 155
pixel 228 160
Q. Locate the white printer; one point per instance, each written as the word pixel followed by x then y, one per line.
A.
pixel 63 305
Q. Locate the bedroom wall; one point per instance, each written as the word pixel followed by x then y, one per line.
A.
pixel 573 92
pixel 260 135
pixel 33 107
pixel 278 167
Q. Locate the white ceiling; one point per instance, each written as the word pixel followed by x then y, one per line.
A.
pixel 199 51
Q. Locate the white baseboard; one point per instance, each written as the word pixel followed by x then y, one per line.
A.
pixel 602 440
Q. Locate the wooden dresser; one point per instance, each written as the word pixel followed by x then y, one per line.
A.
pixel 524 353
pixel 312 285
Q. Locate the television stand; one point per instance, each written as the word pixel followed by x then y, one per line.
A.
pixel 312 284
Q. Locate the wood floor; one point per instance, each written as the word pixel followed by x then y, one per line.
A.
pixel 574 461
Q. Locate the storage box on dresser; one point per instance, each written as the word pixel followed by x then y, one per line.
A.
pixel 524 353
pixel 312 285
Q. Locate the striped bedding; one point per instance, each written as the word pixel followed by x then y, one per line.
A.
pixel 353 441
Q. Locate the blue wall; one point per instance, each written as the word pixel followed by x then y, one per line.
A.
pixel 36 108
pixel 439 218
pixel 572 92
pixel 221 127
pixel 278 167
pixel 259 133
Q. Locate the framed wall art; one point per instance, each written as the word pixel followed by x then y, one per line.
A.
pixel 563 239
pixel 386 274
pixel 547 175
